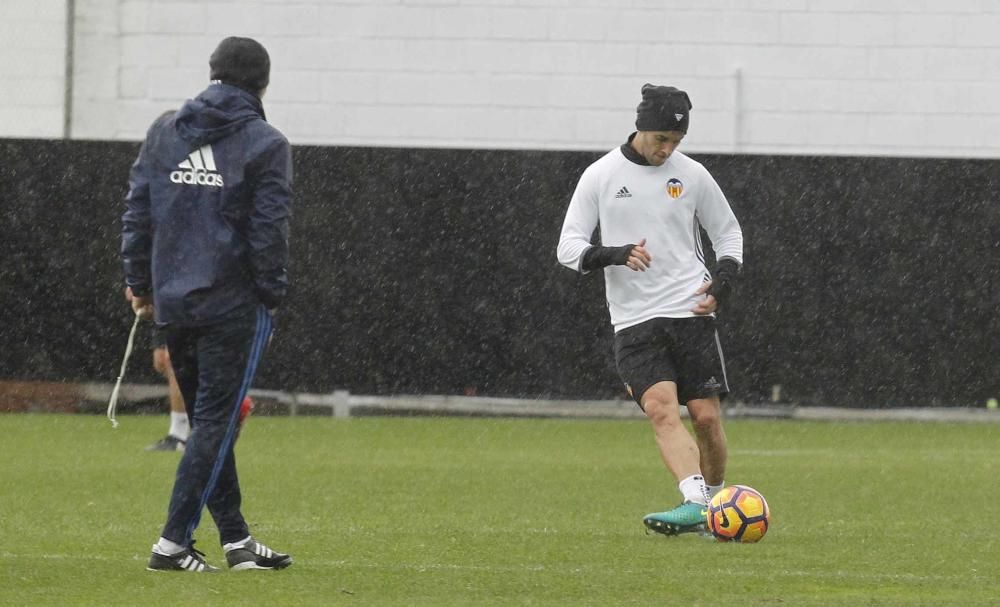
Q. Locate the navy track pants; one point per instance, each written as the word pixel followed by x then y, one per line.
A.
pixel 214 366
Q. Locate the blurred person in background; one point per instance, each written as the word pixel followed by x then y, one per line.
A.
pixel 177 433
pixel 179 430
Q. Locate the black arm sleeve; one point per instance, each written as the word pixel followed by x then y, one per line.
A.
pixel 723 279
pixel 598 257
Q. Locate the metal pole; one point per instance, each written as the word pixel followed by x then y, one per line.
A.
pixel 738 110
pixel 68 94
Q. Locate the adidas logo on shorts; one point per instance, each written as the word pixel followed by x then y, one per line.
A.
pixel 198 169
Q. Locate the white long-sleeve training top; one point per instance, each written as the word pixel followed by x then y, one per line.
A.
pixel 663 204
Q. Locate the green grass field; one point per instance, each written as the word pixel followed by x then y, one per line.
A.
pixel 440 512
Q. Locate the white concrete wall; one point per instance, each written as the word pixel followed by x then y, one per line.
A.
pixel 32 67
pixel 893 77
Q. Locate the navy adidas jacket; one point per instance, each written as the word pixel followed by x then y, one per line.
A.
pixel 205 228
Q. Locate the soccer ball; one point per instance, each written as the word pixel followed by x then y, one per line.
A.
pixel 738 514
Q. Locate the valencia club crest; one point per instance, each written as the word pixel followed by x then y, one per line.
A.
pixel 674 188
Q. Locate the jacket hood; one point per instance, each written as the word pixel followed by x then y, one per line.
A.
pixel 218 111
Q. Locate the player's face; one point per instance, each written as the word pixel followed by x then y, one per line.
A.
pixel 657 146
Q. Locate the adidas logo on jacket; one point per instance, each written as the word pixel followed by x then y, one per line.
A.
pixel 199 169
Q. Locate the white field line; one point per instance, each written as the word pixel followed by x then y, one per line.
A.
pixel 835 455
pixel 557 569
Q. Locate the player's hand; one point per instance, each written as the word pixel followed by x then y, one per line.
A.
pixel 639 258
pixel 142 306
pixel 707 305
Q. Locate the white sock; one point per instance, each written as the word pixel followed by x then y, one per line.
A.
pixel 694 489
pixel 179 427
pixel 235 545
pixel 167 548
pixel 713 489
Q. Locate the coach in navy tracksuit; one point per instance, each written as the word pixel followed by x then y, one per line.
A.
pixel 205 245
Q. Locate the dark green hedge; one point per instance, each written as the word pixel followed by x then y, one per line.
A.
pixel 868 281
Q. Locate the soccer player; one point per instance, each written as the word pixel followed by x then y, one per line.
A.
pixel 177 434
pixel 179 430
pixel 205 249
pixel 650 201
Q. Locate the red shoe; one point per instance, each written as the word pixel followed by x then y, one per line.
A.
pixel 246 407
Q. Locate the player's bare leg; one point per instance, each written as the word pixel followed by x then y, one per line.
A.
pixel 677 448
pixel 161 362
pixel 179 425
pixel 680 453
pixel 706 419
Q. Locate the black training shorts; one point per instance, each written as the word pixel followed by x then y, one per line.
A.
pixel 158 339
pixel 685 351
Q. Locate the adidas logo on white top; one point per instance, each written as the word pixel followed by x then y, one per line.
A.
pixel 198 169
pixel 623 193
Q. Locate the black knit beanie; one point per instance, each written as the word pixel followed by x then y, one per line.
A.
pixel 663 108
pixel 242 62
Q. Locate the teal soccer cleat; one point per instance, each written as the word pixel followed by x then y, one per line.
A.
pixel 689 517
